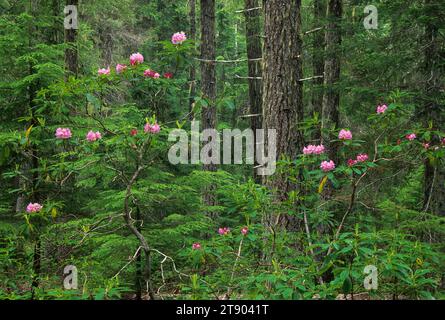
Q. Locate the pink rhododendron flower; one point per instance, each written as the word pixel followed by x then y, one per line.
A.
pixel 351 162
pixel 168 75
pixel 312 149
pixel 103 71
pixel 178 38
pixel 133 132
pixel 33 207
pixel 136 58
pixel 345 134
pixel 196 246
pixel 381 108
pixel 93 136
pixel 223 231
pixel 362 157
pixel 443 141
pixel 151 74
pixel 411 136
pixel 244 230
pixel 426 145
pixel 63 133
pixel 152 128
pixel 120 68
pixel 327 165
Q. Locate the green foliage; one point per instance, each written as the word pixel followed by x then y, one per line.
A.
pixel 375 216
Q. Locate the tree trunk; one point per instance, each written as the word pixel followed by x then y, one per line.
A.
pixel 434 176
pixel 208 67
pixel 208 79
pixel 318 61
pixel 192 72
pixel 331 97
pixel 33 164
pixel 282 90
pixel 254 52
pixel 106 44
pixel 56 32
pixel 71 55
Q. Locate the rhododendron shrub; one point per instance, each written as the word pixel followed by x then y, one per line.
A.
pixel 86 170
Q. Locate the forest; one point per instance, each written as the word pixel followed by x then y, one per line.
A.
pixel 222 150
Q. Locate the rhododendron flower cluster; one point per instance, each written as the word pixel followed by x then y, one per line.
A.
pixel 178 38
pixel 313 149
pixel 93 136
pixel 411 136
pixel 103 71
pixel 152 128
pixel 362 157
pixel 244 230
pixel 345 134
pixel 120 68
pixel 168 75
pixel 223 231
pixel 151 74
pixel 381 108
pixel 133 132
pixel 327 165
pixel 426 145
pixel 33 207
pixel 136 58
pixel 63 133
pixel 351 162
pixel 196 246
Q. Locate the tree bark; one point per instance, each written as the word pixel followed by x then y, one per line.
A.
pixel 254 52
pixel 208 67
pixel 318 62
pixel 331 97
pixel 282 90
pixel 331 94
pixel 71 54
pixel 192 72
pixel 434 176
pixel 208 80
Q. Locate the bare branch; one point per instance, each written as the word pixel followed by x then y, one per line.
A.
pixel 228 61
pixel 313 30
pixel 255 78
pixel 248 10
pixel 311 78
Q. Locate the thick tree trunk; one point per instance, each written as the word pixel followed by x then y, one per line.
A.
pixel 434 177
pixel 331 94
pixel 282 90
pixel 192 72
pixel 318 61
pixel 208 67
pixel 331 98
pixel 71 55
pixel 208 79
pixel 254 55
